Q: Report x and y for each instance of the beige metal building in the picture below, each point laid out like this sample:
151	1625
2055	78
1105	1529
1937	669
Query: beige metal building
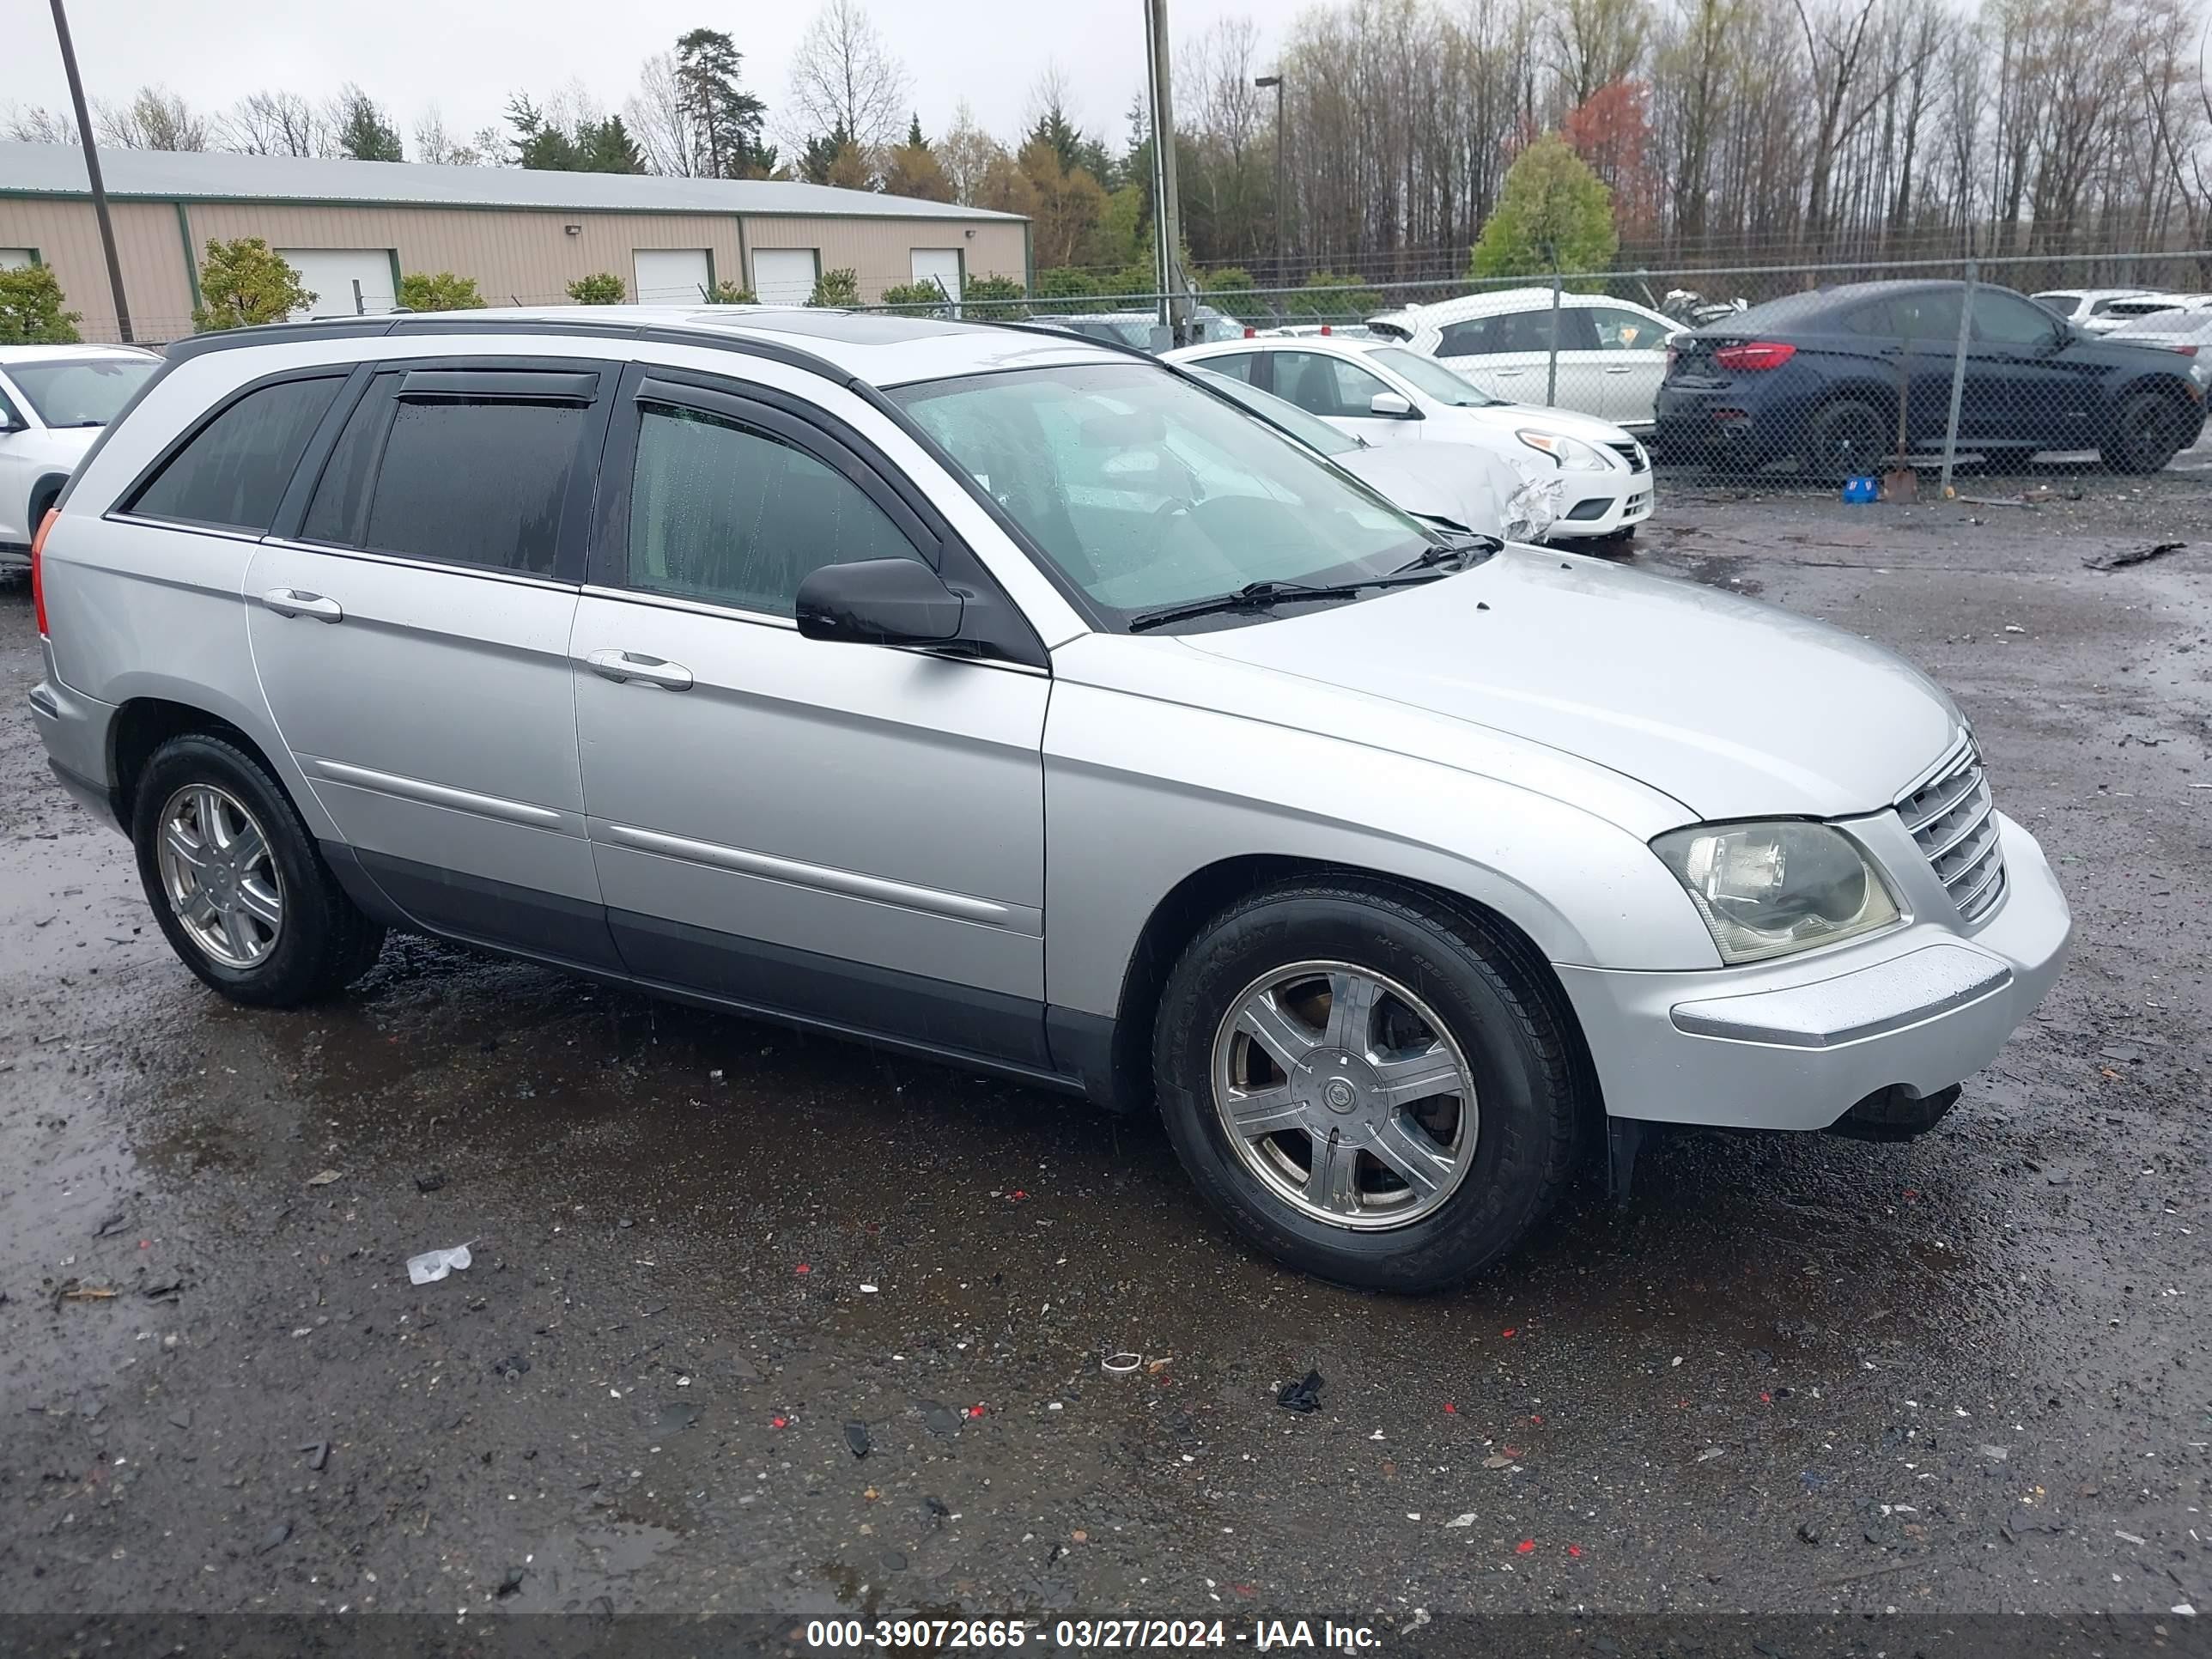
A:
352	229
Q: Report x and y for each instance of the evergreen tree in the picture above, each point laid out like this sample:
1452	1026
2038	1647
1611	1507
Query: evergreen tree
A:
725	119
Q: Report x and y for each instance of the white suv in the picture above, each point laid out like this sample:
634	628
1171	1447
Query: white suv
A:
1000	697
1612	353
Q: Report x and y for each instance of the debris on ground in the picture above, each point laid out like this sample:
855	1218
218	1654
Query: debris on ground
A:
2133	556
856	1436
319	1454
432	1265
324	1177
936	1418
1303	1395
1120	1365
429	1181
113	1223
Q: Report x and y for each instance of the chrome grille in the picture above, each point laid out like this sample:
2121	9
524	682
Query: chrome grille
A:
1631	453
1953	820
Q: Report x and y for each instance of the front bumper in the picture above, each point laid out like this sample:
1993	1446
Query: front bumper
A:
1796	1044
1609	503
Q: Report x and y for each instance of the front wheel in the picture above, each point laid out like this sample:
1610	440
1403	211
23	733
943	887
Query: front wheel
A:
1369	1087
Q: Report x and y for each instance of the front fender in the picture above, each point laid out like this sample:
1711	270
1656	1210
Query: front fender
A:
1141	794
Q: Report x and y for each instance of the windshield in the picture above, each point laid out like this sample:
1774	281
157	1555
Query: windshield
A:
1433	378
1147	491
1308	429
80	391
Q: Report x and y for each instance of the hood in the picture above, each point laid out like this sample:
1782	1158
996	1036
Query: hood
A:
1734	708
1469	484
54	446
1459	481
1506	418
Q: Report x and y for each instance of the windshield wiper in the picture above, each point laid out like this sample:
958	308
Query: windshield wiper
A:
1257	596
1460	545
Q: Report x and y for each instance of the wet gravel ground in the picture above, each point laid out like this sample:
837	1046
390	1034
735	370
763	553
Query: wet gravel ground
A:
1794	1374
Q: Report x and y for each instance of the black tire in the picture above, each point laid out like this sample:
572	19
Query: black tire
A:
1845	439
2149	429
325	942
1484	984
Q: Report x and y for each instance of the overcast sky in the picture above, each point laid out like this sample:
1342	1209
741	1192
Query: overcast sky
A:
466	56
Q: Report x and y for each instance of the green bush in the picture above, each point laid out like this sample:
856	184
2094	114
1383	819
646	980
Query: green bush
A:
914	294
1230	279
602	287
31	309
836	288
243	282
1334	298
731	293
1064	282
986	298
420	291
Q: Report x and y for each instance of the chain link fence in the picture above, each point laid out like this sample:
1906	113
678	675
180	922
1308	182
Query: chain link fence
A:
1996	373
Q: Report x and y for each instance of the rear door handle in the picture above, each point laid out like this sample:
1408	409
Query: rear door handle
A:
1620	368
624	666
295	602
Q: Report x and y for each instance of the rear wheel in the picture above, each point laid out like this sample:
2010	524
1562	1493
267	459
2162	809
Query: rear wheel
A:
1845	439
236	882
2150	429
1371	1088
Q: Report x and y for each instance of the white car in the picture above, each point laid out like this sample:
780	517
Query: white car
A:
2119	314
1390	395
53	401
1613	352
2078	305
1461	486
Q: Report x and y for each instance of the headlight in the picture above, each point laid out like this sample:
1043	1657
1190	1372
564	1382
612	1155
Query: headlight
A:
1767	890
1566	452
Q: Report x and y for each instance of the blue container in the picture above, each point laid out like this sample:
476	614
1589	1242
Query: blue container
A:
1857	492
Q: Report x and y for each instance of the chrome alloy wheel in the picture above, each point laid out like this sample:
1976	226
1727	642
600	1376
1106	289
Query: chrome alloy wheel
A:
1345	1094
218	875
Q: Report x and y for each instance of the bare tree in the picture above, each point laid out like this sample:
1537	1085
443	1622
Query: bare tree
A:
844	78
275	122
36	125
660	118
155	118
440	148
966	153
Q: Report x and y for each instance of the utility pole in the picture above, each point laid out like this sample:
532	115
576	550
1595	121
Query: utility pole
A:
1282	257
92	172
1167	214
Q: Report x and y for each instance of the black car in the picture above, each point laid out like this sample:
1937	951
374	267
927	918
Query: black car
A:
1818	377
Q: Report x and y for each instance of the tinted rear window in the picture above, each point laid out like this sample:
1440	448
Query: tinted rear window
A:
476	483
473	483
232	472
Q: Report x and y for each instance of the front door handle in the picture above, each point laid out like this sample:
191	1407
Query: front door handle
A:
1620	368
624	666
295	602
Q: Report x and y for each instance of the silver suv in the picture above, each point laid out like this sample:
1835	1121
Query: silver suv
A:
1016	700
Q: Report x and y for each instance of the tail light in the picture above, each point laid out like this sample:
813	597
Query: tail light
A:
1755	356
1324	328
1250	332
2184	350
37	568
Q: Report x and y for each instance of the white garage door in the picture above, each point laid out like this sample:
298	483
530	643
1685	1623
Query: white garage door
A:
783	275
938	267
671	275
346	281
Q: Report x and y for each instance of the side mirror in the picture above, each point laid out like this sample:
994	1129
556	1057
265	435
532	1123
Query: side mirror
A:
1391	407
878	602
12	422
